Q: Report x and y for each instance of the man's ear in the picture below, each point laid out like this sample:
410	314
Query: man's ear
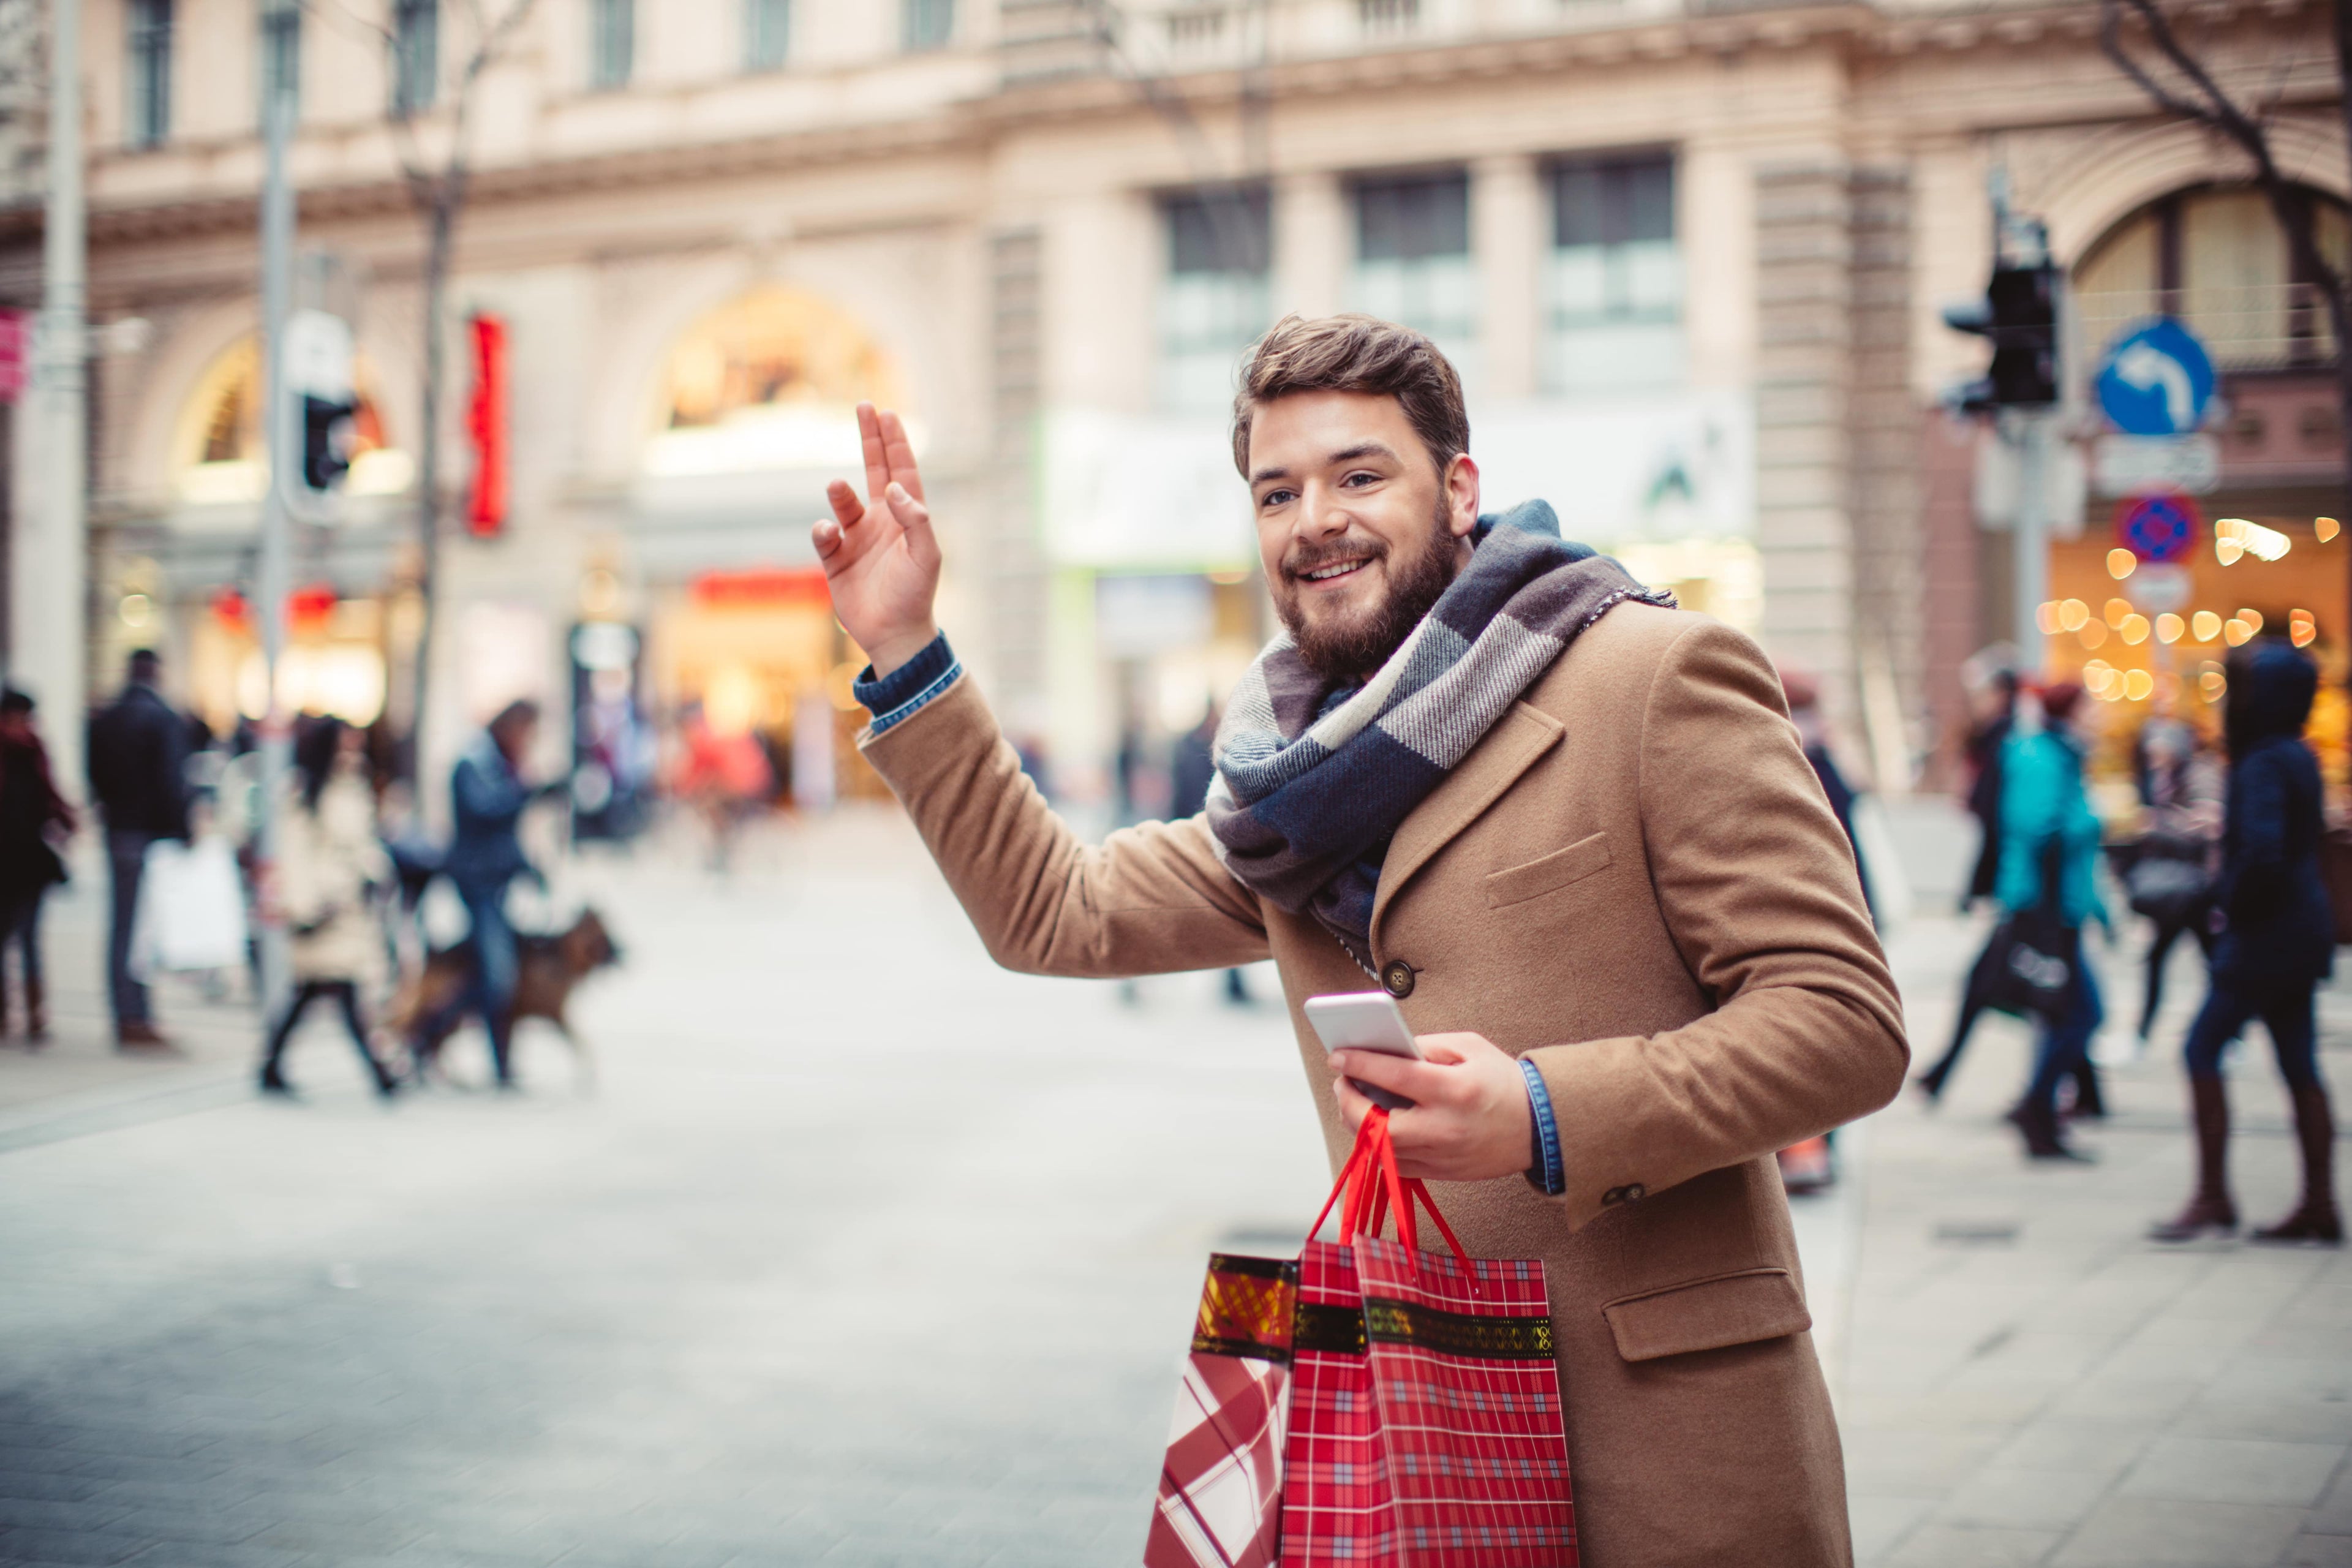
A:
1461	495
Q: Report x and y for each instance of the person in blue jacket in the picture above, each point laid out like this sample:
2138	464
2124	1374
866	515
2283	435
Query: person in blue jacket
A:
2276	942
488	797
2047	828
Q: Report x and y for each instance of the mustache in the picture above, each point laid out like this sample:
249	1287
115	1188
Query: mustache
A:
1306	558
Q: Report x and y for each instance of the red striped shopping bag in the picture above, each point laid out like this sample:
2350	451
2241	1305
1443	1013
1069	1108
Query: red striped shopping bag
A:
1419	1421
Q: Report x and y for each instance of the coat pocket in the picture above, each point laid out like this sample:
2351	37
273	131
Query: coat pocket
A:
1708	1314
1558	869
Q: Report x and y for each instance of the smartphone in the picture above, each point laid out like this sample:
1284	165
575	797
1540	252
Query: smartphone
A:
1364	1021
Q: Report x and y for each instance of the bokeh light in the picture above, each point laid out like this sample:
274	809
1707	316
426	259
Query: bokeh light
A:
2237	632
2133	629
2302	627
2072	613
2121	563
2205	627
2169	628
2327	527
2094	633
2116	612
2139	684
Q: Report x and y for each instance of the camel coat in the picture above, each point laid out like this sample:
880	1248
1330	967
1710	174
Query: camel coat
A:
1635	881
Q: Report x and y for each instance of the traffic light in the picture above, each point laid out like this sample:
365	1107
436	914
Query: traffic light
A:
2019	315
330	432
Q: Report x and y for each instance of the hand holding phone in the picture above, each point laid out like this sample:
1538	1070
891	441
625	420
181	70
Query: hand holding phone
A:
1364	1021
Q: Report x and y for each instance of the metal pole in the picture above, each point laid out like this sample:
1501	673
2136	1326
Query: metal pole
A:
272	585
2032	541
51	584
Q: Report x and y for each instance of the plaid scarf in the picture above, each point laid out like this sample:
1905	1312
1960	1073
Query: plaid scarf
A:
1313	780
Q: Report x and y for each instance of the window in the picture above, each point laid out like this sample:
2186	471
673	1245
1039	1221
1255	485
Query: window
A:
612	42
1217	298
416	55
1413	260
1379	16
767	34
1615	282
281	54
926	24
147	106
2218	261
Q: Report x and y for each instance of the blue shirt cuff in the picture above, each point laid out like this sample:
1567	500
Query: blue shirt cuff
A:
901	694
1549	1175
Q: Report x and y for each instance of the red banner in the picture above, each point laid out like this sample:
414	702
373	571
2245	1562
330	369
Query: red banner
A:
486	422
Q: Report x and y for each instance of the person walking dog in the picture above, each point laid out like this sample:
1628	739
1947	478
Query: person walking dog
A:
1568	827
2276	943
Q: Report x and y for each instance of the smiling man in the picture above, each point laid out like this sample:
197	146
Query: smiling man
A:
1568	827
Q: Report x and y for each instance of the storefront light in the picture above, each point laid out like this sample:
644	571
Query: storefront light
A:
2098	678
2094	633
2205	627
2237	632
2046	617
2137	685
2121	563
2169	628
2211	684
2327	527
2251	618
2072	613
136	610
2133	629
2302	627
2116	612
2235	536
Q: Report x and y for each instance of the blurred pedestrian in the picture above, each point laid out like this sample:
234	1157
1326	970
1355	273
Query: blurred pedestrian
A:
330	867
1987	737
1192	769
2048	862
488	797
724	777
2169	869
2276	942
137	763
34	819
1804	697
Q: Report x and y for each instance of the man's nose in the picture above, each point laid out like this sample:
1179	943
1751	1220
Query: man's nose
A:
1322	513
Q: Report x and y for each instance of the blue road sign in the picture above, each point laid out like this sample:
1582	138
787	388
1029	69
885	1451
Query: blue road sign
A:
2157	528
2157	380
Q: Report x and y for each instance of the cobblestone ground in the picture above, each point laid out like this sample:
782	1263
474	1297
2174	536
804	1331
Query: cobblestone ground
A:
862	1252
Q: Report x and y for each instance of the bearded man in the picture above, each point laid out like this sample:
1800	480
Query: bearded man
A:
1569	827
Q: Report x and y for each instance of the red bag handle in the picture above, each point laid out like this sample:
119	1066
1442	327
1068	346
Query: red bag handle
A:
1370	1185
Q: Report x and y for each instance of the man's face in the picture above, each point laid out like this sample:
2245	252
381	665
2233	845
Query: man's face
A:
1359	530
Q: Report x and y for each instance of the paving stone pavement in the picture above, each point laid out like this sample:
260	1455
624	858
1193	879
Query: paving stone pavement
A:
863	1252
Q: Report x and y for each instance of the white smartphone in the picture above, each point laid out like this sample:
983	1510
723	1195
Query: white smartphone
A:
1364	1021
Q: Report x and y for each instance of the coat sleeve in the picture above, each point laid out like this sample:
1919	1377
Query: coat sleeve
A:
1758	890
1149	900
2257	868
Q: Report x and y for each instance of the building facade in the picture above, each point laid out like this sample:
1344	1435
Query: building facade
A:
1690	255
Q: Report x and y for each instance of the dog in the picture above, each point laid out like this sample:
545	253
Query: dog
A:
548	968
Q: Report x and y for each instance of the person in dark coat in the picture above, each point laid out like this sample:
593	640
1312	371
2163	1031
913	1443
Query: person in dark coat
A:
2275	944
33	817
137	774
1984	751
488	797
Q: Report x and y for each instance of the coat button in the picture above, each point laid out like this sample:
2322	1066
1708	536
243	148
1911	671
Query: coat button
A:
1630	1193
1398	978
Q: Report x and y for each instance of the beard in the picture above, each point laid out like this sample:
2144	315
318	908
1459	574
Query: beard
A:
1352	647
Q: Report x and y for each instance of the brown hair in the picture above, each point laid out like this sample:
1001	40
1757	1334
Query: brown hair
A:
1355	353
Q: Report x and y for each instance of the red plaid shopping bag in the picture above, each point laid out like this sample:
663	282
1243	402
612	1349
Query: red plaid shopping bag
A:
1422	1425
1220	1486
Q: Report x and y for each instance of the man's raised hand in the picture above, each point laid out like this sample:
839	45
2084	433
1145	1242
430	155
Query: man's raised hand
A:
881	560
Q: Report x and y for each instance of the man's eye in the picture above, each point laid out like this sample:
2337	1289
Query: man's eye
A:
1360	478
1275	497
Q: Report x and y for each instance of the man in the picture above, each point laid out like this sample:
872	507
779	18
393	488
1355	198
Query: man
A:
137	762
1571	831
487	796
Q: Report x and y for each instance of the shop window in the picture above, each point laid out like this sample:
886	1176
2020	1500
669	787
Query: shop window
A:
281	54
1614	278
612	43
1413	260
1216	297
767	34
772	381
925	25
416	55
147	105
2218	261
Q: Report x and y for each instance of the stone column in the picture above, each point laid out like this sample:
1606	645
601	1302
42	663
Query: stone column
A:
1313	242
1507	240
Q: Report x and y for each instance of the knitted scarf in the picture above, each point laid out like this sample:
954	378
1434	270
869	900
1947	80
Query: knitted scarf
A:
1313	780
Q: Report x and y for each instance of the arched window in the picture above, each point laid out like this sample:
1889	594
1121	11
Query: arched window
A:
2216	259
770	380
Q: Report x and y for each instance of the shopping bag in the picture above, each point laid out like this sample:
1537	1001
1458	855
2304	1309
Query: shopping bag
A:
191	911
1220	1502
1417	1422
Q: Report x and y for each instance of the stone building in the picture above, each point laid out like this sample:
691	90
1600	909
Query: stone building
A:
1690	255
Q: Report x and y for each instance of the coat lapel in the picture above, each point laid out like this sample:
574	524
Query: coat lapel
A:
1510	749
